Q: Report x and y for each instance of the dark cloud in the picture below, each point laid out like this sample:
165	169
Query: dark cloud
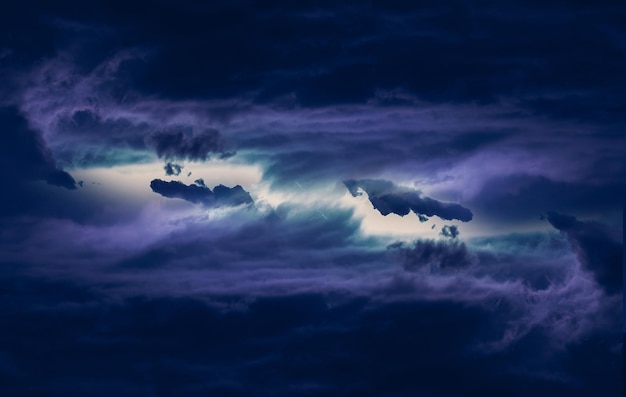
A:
598	251
183	143
345	145
176	189
513	106
432	254
173	168
323	54
287	237
388	198
231	338
283	345
61	178
24	154
89	124
25	159
200	194
450	231
521	197
330	53
536	259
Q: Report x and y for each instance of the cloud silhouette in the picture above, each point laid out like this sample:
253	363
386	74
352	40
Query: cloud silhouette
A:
200	194
172	169
450	231
389	198
597	250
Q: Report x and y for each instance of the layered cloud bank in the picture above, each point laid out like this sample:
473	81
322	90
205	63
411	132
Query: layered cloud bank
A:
283	199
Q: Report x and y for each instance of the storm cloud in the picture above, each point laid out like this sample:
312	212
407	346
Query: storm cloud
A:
183	143
598	251
24	154
200	194
389	198
450	231
172	169
432	254
489	112
298	343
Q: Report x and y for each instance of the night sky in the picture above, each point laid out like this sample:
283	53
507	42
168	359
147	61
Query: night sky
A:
298	198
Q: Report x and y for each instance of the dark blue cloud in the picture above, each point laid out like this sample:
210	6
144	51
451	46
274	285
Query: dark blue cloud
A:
287	237
450	231
24	154
431	254
184	143
24	158
307	344
172	169
353	149
200	194
523	197
515	107
536	259
597	250
388	198
327	53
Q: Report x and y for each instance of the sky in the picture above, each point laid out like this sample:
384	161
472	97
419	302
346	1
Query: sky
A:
278	198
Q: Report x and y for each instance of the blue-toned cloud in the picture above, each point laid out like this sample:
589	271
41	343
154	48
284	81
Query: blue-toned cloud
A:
279	345
200	194
498	111
450	231
24	153
213	300
431	254
172	169
389	198
597	250
25	159
184	143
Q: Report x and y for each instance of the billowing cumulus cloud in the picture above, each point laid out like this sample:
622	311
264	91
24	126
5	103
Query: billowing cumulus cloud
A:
200	194
389	198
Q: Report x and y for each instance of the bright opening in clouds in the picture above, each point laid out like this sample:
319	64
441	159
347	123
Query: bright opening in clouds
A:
330	199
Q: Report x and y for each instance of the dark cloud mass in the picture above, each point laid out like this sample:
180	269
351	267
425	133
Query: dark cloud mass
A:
172	169
24	159
24	153
448	112
597	250
450	231
280	346
388	198
200	194
184	143
432	254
